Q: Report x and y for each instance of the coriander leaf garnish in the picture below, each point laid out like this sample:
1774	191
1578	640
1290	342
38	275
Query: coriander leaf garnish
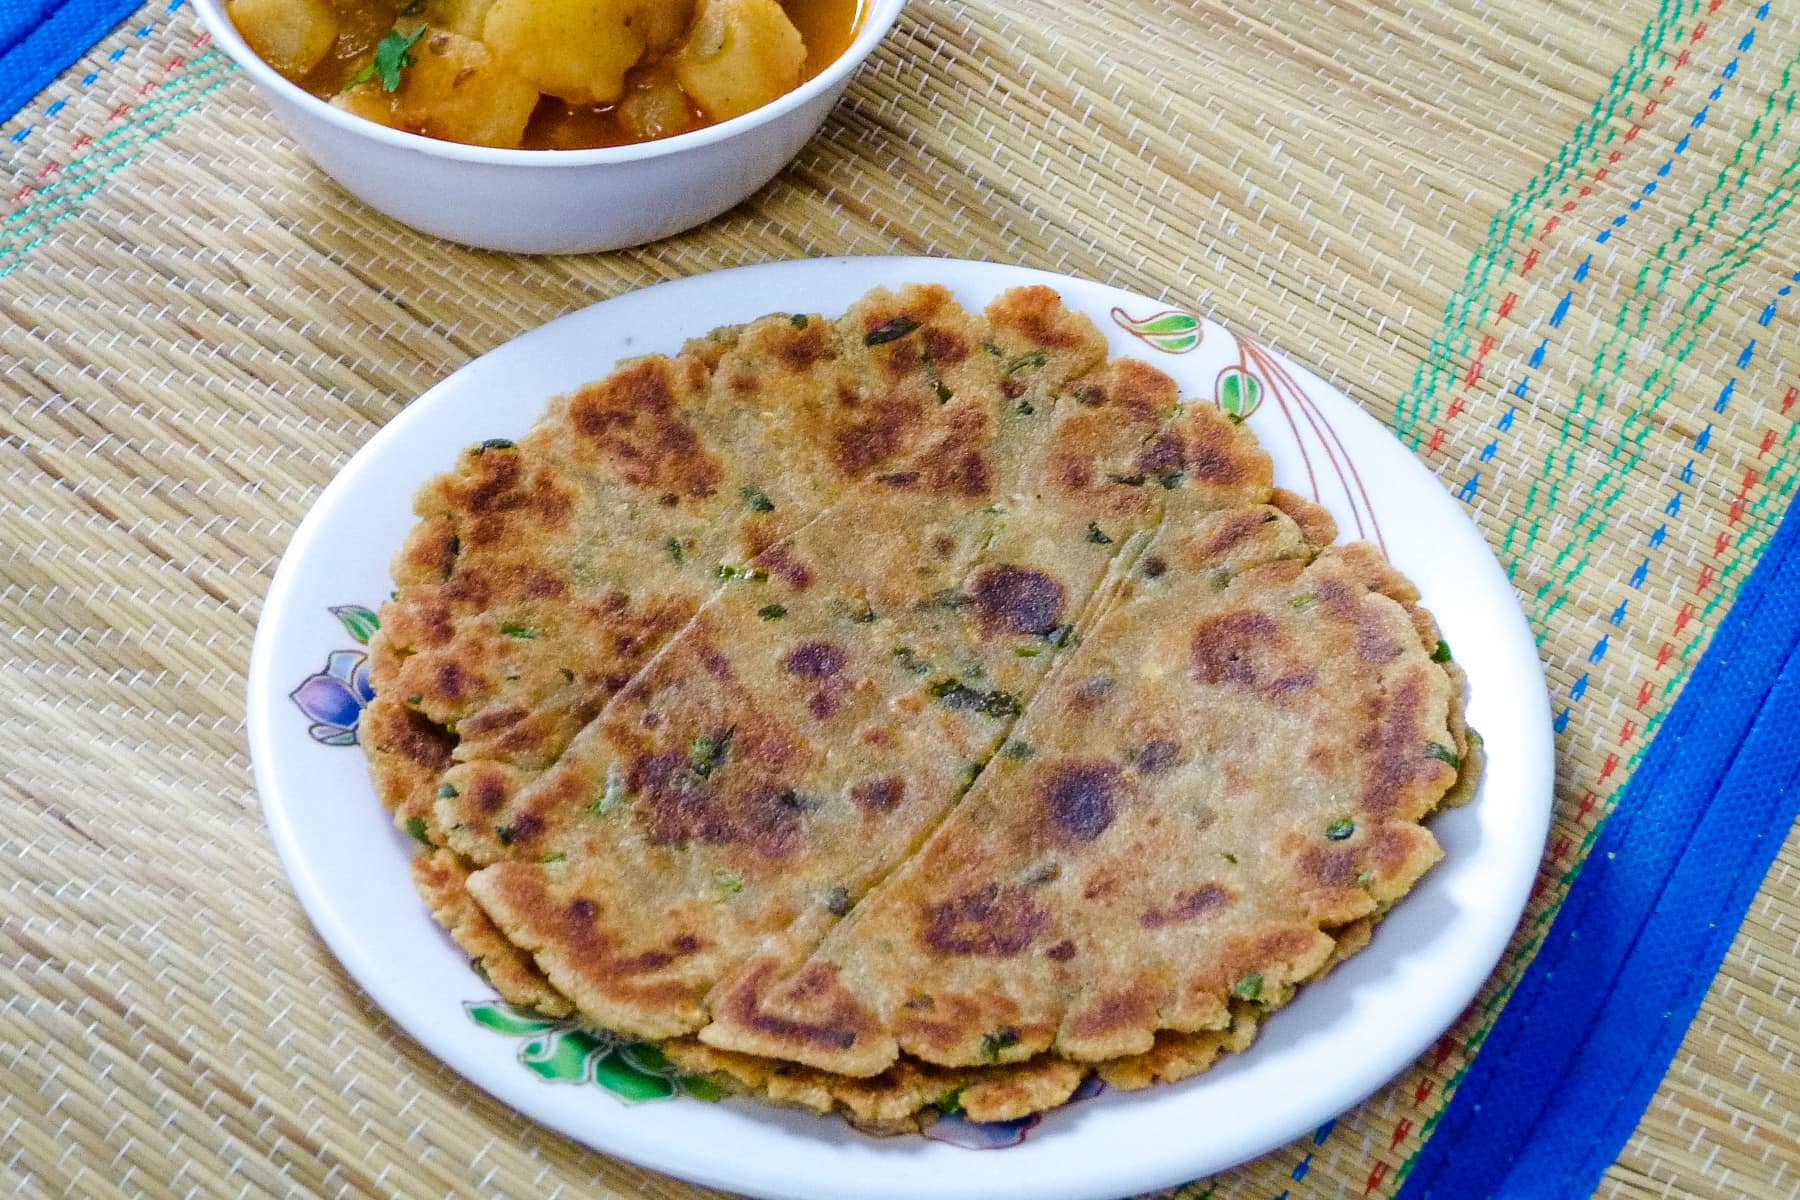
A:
890	330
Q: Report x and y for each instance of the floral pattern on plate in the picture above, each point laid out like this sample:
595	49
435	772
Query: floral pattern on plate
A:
333	699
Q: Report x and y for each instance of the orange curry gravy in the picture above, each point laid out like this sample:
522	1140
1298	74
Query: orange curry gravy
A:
827	26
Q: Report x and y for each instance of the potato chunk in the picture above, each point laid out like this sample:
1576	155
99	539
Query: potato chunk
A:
654	105
458	91
368	101
293	36
458	16
741	55
664	22
575	50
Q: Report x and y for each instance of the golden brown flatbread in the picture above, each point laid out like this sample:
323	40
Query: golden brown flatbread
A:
875	698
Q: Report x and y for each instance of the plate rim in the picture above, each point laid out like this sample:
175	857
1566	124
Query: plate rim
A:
614	1138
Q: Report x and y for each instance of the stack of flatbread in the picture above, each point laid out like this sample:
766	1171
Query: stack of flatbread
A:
905	713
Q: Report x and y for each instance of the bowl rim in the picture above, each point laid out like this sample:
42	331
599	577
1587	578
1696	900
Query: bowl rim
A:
879	17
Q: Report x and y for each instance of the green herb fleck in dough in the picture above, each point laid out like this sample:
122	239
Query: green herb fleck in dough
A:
729	881
447	791
524	633
1096	536
416	827
505	833
1229	857
1305	601
993	348
1027	362
559	856
1442	653
1364	877
1128	480
615	791
944	394
1442	754
568	675
415	698
865	617
1029	651
772	612
1248	988
837	901
1337	831
1025	408
989	704
1171	481
490	443
673	546
799	320
1013	748
890	330
1062	636
993	1044
757	500
906	661
949	1102
707	754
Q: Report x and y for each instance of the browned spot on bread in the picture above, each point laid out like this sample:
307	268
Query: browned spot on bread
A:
1113	1012
1078	799
992	922
1232	530
780	562
814	660
843	1022
1327	867
1063	951
414	737
1037	314
487	790
1157	756
1231	649
1092	694
1161	455
630	421
879	795
1013	599
1187	906
1215	453
1374	643
1394	760
945	346
801	348
875	430
1142	391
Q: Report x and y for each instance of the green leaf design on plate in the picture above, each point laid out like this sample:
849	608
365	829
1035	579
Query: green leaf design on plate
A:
510	1019
560	1056
327	735
1239	393
1170	331
357	621
625	1081
563	1051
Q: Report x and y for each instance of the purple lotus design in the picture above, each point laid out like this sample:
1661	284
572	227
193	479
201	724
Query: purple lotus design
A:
334	699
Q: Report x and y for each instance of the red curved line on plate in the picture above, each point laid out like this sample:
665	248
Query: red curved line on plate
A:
1313	418
1125	320
1311	479
1361	488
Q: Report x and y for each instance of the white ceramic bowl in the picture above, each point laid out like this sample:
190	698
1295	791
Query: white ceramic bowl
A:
555	201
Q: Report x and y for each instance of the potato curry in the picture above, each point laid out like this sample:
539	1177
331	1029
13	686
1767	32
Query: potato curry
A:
547	74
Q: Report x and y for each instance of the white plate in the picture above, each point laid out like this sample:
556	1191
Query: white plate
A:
1337	1042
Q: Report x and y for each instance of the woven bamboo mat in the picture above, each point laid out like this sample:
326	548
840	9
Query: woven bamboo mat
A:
1550	246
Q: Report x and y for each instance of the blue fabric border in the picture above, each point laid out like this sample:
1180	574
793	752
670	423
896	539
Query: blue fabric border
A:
39	39
1570	1065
